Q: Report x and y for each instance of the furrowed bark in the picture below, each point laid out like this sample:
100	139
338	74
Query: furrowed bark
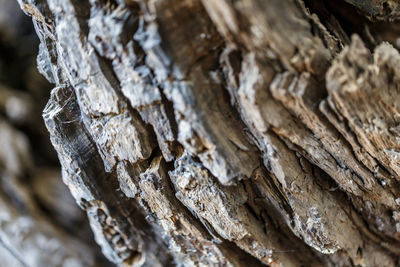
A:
40	223
222	132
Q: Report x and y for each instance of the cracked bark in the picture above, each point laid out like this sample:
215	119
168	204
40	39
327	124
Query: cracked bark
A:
221	132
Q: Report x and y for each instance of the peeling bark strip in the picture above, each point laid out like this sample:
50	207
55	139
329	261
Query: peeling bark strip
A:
226	133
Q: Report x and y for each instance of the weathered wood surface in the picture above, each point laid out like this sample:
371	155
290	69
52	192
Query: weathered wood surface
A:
221	132
40	223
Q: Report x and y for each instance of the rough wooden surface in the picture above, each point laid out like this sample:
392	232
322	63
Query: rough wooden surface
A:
40	224
221	132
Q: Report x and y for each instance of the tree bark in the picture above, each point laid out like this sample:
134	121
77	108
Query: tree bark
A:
218	132
40	223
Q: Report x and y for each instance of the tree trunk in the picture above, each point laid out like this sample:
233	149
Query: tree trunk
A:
219	132
40	224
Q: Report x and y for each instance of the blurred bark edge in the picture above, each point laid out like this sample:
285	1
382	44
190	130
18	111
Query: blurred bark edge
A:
40	223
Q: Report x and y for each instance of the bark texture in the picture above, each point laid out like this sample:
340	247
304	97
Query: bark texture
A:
228	133
40	224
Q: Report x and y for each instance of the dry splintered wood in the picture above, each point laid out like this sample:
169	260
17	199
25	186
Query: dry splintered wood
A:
40	223
228	133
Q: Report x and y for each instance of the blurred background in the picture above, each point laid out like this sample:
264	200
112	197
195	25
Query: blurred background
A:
40	224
